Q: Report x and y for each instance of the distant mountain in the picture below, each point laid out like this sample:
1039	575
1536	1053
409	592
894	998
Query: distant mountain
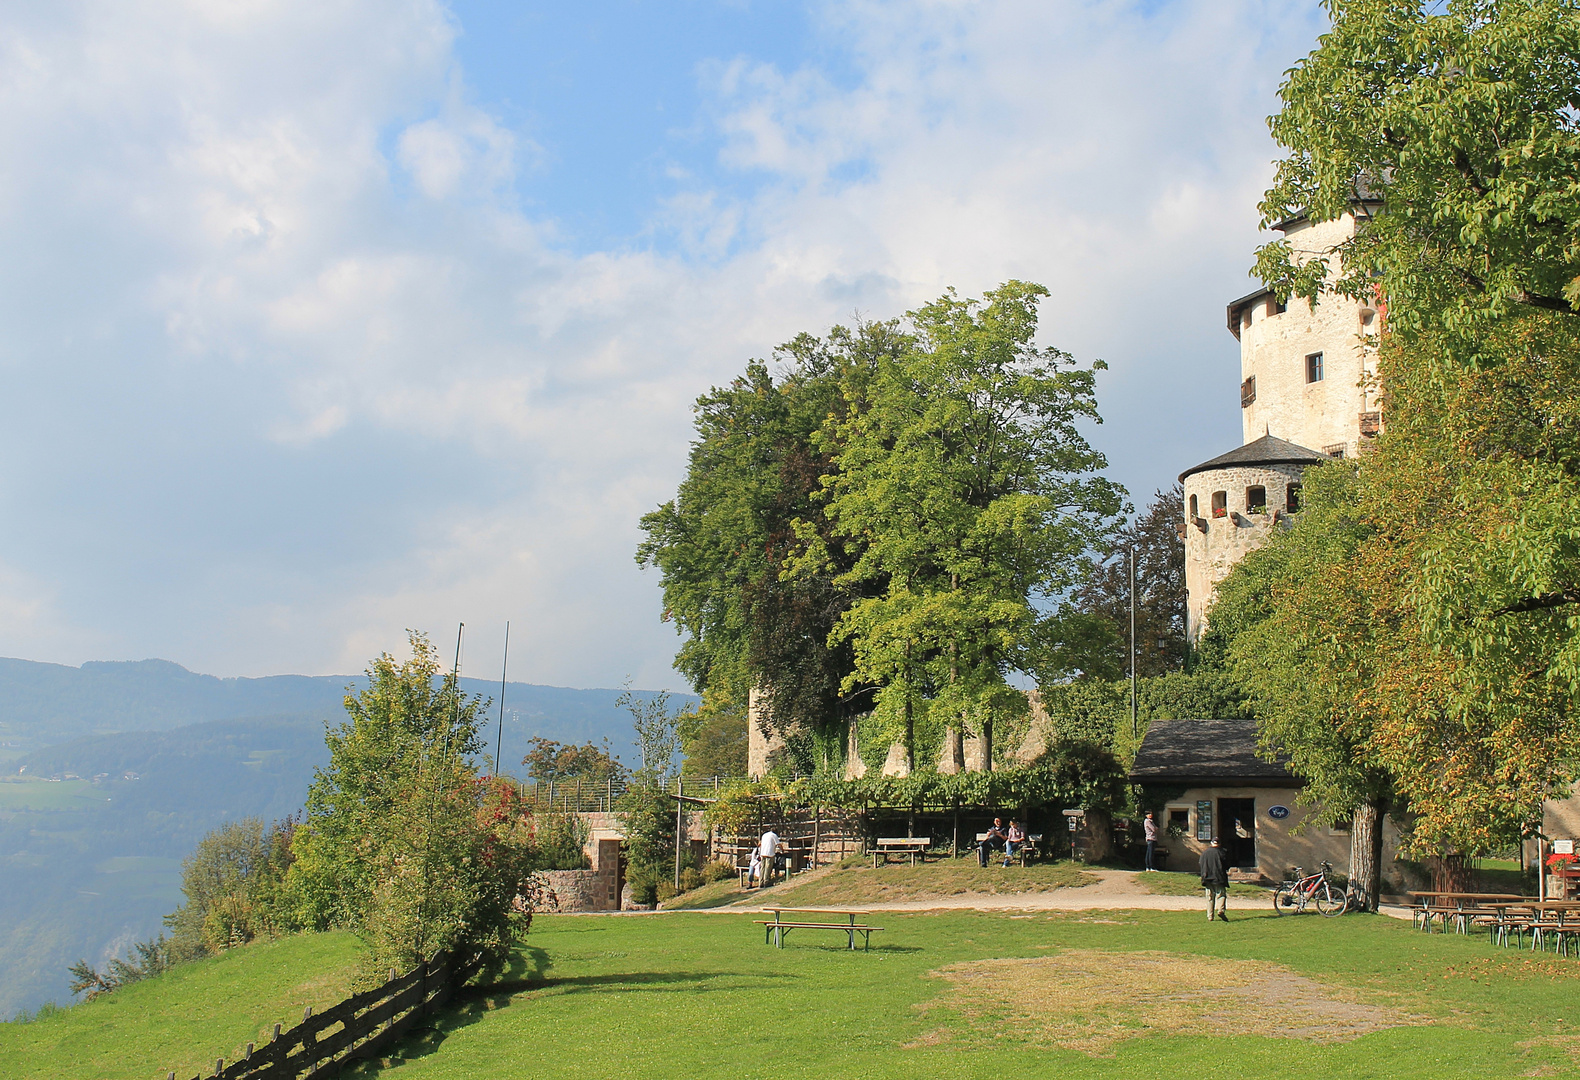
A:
156	757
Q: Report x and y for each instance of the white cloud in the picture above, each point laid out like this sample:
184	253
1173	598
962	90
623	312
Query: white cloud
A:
292	371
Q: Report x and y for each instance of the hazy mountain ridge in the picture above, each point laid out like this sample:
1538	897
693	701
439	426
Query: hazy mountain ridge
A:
163	756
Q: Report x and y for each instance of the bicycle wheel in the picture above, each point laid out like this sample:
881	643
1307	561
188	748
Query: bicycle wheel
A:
1283	900
1330	901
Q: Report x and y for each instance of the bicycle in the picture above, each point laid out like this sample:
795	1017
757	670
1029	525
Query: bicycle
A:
1317	890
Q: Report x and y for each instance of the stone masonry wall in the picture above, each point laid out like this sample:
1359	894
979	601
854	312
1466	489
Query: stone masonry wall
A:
571	890
1214	545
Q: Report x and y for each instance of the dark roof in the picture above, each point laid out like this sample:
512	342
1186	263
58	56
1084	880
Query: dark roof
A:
1198	751
1264	451
1237	306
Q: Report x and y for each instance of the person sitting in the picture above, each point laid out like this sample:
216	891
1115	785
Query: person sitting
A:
994	838
1014	840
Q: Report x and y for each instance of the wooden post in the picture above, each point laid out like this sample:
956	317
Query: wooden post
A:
249	1053
817	831
276	1036
219	1066
578	794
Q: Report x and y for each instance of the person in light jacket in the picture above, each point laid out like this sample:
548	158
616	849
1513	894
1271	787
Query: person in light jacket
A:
1149	831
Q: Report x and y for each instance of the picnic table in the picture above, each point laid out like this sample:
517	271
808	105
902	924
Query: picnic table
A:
1463	908
914	846
1554	918
775	930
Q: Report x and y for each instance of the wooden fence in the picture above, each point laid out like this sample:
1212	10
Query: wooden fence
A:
363	1025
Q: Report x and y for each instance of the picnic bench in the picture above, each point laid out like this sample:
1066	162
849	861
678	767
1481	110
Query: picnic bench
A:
914	846
776	928
1029	848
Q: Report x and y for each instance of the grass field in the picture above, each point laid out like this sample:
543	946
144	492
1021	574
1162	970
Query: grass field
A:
187	1017
29	793
861	884
1095	994
1168	883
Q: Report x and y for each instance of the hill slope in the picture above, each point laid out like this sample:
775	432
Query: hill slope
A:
187	1017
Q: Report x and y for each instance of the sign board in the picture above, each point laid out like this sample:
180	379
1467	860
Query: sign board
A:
1074	813
1204	819
1563	847
1072	824
1279	812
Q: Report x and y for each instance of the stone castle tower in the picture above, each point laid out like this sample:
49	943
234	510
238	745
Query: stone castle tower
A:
1307	393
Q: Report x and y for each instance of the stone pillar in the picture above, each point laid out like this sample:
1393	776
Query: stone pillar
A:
952	758
855	768
895	764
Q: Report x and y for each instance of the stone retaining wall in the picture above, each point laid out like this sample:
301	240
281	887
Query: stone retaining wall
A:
570	890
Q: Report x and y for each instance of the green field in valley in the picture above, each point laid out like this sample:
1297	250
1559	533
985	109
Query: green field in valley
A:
1067	994
185	1018
21	793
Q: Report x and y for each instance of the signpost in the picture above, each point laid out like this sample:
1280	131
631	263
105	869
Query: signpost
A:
1073	817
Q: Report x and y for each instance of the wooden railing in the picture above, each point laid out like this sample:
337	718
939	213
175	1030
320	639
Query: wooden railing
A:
363	1025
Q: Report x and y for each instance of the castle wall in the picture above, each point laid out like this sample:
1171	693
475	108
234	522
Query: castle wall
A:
1214	544
1325	415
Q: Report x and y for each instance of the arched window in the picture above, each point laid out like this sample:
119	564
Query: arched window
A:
1220	504
1194	511
1292	498
1256	499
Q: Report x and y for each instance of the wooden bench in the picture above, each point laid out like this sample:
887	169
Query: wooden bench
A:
1030	847
914	846
775	929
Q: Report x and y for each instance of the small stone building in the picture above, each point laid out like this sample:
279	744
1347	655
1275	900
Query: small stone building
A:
1205	779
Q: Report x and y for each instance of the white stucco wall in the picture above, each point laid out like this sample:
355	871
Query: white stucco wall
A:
1274	346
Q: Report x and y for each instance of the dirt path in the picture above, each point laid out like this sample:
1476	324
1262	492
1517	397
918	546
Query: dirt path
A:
1114	890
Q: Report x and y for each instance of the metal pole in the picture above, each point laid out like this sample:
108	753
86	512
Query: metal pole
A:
680	817
1134	727
499	740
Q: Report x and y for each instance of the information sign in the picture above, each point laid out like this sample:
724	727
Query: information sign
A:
1279	812
1204	819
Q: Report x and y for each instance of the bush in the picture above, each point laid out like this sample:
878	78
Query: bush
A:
718	870
644	885
665	890
690	878
561	840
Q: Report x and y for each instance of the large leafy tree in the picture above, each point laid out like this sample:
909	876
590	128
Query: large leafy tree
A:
1464	120
722	543
963	485
1415	635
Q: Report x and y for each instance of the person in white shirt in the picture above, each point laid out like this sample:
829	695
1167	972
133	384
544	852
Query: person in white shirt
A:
754	870
1149	831
766	849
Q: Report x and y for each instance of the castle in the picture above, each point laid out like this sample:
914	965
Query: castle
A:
1308	393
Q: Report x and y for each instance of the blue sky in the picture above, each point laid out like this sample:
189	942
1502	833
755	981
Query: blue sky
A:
326	318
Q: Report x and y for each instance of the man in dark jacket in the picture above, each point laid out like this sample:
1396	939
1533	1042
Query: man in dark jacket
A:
1215	880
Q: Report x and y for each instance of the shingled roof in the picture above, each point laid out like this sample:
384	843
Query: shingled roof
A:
1203	752
1264	451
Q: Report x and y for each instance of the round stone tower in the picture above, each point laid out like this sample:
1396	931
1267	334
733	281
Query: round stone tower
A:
1232	504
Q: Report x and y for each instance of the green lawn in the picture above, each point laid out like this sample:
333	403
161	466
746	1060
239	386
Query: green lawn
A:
1168	883
187	1017
1066	994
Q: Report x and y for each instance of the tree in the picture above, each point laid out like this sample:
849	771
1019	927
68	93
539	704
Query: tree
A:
404	840
962	484
723	542
232	885
1460	121
714	738
1104	596
1420	617
554	762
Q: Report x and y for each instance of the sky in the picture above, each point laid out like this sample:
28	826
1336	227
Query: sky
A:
322	319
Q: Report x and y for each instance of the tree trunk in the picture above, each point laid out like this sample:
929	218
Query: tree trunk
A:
1366	837
987	745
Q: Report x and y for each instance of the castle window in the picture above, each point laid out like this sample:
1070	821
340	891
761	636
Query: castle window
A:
1256	500
1220	504
1248	391
1292	498
1194	512
1334	450
1314	367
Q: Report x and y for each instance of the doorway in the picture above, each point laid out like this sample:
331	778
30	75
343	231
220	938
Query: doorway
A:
1237	816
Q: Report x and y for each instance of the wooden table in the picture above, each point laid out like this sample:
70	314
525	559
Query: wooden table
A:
776	929
1550	916
914	846
1462	906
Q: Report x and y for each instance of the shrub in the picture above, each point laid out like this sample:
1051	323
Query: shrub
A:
690	878
718	870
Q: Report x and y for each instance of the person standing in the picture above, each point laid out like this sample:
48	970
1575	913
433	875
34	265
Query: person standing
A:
767	848
1215	880
1149	830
